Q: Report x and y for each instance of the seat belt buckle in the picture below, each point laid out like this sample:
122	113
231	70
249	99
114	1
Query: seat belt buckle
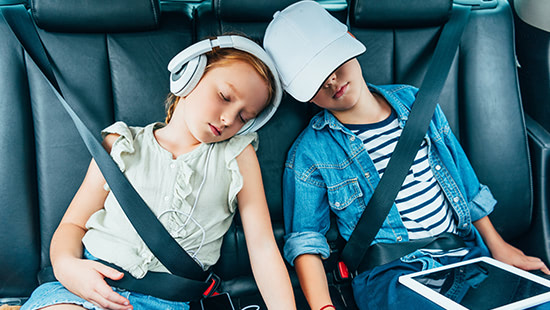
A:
212	289
341	273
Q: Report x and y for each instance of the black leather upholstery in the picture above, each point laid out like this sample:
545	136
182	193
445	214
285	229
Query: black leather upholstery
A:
91	15
533	50
19	228
473	99
112	60
399	13
534	72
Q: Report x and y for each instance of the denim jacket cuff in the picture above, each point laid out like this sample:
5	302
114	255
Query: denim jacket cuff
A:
300	243
482	204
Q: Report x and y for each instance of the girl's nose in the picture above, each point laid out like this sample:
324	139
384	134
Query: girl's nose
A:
223	120
227	119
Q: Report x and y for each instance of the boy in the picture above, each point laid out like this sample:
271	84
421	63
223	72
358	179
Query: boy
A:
360	127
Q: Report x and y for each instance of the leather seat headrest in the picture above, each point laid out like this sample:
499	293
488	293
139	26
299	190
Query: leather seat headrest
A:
96	15
248	10
399	13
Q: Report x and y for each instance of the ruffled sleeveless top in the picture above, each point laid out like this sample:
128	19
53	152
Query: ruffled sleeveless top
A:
170	187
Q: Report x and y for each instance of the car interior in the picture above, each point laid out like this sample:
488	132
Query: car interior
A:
111	61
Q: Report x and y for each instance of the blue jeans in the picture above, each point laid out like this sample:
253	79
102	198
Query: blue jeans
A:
379	288
53	293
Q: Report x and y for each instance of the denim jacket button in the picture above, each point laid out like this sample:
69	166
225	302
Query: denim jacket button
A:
367	175
337	204
437	167
399	238
456	199
352	138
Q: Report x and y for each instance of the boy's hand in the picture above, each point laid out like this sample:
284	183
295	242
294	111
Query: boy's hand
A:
86	278
504	252
513	256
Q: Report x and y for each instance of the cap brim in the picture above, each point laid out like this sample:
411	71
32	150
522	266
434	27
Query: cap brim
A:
308	81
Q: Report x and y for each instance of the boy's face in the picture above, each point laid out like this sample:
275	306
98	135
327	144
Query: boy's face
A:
342	89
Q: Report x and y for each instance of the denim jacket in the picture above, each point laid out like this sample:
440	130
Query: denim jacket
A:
328	169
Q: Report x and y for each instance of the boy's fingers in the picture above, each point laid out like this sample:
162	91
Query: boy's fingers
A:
539	264
544	269
534	263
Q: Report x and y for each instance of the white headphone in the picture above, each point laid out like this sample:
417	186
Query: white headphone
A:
187	68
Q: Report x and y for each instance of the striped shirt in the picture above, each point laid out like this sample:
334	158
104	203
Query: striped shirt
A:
420	201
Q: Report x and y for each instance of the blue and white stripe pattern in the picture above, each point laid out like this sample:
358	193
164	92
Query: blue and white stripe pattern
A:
421	202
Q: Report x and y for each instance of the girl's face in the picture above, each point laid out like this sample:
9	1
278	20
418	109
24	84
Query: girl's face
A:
224	100
342	89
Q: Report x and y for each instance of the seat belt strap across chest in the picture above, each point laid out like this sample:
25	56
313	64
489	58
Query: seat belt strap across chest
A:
405	151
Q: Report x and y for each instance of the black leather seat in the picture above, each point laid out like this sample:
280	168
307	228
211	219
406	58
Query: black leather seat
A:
533	52
481	99
112	63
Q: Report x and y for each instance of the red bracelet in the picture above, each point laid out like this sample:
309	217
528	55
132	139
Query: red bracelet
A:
328	306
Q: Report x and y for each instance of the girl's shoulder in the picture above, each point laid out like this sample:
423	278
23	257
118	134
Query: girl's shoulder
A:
234	146
122	129
121	140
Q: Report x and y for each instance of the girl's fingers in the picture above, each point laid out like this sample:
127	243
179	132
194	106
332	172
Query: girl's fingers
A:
109	299
109	272
105	296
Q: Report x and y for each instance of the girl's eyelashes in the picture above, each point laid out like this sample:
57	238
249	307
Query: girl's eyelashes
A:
228	99
224	97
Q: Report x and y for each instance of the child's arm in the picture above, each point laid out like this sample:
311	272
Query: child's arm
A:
503	251
313	280
267	264
84	278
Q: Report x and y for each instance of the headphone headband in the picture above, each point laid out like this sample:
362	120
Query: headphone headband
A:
183	78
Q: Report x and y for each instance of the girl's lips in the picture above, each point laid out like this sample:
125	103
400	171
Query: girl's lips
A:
340	92
215	130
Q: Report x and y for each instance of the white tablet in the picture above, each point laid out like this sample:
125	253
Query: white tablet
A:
480	283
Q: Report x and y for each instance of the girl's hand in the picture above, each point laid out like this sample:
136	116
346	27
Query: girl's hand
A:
85	278
511	255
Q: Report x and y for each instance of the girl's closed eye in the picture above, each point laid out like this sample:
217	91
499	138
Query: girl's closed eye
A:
243	118
224	97
227	98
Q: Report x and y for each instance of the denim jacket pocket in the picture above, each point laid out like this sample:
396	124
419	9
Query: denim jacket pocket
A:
343	194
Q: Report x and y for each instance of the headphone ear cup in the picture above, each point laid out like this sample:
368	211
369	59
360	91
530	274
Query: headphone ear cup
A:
184	81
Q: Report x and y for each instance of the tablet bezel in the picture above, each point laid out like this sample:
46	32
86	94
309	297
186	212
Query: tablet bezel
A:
409	281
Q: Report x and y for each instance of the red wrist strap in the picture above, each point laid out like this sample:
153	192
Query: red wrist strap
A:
327	306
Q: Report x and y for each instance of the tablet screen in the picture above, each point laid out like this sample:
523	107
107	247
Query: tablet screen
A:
482	284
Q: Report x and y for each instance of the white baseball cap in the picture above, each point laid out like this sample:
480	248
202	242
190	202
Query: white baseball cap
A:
307	45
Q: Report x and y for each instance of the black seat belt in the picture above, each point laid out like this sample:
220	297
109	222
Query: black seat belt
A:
411	138
190	275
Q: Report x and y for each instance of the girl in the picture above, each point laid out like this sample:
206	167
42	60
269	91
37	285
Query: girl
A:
196	149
